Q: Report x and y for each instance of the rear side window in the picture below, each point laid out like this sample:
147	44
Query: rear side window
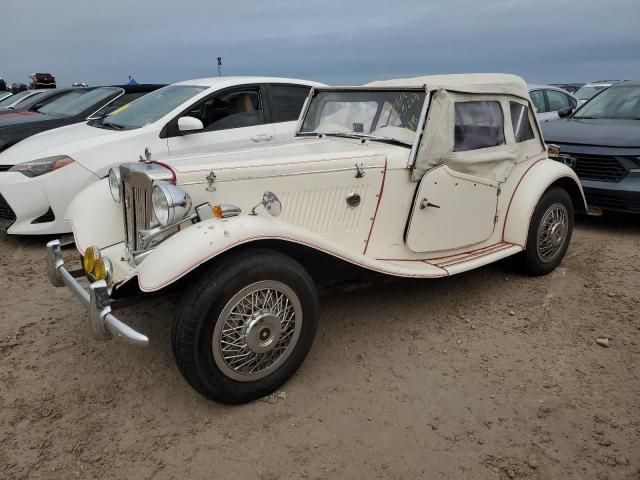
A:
287	102
537	97
478	125
520	121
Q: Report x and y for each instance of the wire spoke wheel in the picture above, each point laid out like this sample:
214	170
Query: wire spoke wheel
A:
257	330
552	232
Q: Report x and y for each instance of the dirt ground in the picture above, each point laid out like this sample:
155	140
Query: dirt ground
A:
488	374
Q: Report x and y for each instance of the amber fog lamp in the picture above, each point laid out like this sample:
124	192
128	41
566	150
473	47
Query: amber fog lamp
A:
91	256
103	270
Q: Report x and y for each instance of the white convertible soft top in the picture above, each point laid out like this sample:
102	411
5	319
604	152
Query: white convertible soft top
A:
438	147
467	83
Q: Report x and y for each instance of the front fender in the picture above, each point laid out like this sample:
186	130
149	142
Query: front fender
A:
199	243
95	218
537	180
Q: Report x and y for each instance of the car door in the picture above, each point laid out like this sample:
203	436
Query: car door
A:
232	118
285	105
539	99
557	101
454	209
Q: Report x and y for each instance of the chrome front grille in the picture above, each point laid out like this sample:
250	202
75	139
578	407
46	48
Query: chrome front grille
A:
137	184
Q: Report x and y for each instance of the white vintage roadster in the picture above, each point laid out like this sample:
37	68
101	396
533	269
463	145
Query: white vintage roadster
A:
423	177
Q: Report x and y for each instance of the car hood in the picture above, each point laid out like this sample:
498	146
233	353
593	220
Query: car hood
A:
299	153
598	132
72	140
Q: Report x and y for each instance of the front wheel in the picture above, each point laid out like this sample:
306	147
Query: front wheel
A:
549	232
246	326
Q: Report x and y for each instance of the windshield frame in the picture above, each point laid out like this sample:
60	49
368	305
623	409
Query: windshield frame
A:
421	121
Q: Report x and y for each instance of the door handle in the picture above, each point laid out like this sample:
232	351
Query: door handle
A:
426	203
265	137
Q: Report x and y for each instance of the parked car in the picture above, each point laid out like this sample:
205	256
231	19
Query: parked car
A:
369	181
551	102
12	101
35	102
587	91
568	87
188	117
85	104
42	80
17	87
79	84
601	141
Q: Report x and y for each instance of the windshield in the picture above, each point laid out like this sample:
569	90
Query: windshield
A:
89	100
618	102
151	107
11	99
585	93
59	101
375	114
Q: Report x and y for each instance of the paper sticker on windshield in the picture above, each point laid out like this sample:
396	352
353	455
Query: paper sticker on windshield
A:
118	110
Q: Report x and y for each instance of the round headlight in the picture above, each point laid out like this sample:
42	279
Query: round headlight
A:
170	203
115	184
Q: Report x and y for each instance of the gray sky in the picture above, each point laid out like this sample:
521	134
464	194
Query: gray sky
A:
335	41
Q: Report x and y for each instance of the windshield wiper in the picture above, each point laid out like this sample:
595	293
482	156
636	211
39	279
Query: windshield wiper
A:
360	136
115	126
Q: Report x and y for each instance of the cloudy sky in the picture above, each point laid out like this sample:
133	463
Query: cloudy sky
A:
335	41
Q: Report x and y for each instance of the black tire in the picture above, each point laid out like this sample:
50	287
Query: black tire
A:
200	311
532	261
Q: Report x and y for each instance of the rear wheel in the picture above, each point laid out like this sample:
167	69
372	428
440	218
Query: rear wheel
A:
550	232
246	326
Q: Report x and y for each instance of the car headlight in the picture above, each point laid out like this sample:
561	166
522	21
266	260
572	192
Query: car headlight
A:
115	184
170	203
41	166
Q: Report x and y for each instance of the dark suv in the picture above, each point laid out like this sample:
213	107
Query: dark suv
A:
602	143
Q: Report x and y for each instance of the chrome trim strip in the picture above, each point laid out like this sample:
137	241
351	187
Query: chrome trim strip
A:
328	170
102	323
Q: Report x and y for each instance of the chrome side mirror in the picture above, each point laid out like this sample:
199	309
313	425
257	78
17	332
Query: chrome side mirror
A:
271	203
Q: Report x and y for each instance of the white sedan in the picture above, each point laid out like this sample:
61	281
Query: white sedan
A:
40	175
552	102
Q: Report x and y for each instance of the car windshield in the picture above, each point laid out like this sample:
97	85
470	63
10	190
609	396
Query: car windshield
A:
151	107
59	101
585	93
11	99
89	100
617	102
386	115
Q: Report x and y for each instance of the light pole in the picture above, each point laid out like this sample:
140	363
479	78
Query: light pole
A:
219	66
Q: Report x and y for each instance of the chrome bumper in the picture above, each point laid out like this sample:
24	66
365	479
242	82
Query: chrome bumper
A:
102	323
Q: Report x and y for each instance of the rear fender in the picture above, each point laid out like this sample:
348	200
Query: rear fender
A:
536	181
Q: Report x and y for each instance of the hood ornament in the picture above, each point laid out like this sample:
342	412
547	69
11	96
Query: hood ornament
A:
211	178
147	156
